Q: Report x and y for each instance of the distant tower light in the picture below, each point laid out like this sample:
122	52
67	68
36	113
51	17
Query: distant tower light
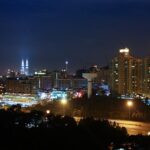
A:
66	62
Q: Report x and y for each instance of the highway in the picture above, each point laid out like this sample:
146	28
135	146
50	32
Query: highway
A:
134	127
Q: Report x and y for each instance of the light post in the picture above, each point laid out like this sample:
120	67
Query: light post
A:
129	104
48	111
64	103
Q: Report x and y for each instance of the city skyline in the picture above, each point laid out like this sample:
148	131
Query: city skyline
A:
82	32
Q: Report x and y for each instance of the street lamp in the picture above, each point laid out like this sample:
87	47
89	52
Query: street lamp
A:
48	111
129	104
64	103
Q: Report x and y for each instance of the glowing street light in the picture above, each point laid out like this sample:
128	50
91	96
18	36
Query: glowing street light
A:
129	104
48	111
64	103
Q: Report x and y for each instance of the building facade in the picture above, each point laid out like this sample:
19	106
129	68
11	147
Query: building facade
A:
126	73
20	85
146	76
24	67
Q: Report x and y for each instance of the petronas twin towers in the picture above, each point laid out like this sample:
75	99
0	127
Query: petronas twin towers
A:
25	67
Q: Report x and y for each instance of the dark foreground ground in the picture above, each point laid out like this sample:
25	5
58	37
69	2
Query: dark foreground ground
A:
38	131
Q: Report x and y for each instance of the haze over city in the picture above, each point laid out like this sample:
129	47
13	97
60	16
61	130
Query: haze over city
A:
84	32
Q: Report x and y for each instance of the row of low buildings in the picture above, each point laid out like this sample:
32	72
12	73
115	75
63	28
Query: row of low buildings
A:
42	81
126	75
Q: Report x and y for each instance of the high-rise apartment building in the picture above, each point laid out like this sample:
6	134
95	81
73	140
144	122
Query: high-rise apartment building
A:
126	73
146	76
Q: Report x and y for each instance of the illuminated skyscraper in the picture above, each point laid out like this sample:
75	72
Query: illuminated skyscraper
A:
126	73
22	67
25	67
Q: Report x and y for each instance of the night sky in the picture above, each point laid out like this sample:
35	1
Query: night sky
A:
84	32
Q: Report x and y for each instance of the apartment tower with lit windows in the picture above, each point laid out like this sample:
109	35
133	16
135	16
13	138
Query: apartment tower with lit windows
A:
126	73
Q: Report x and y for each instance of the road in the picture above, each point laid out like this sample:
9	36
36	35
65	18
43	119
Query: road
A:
134	127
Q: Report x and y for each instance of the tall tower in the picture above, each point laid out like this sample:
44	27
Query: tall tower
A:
89	77
22	67
66	63
27	67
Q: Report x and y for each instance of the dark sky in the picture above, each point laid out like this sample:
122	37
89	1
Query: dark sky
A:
84	32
